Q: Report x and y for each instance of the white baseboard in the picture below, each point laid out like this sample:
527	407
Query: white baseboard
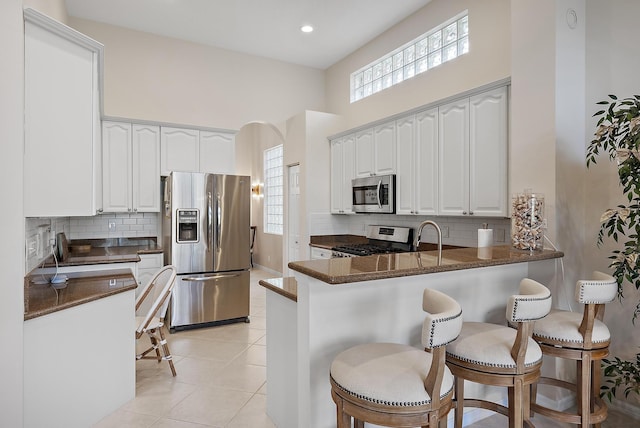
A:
271	271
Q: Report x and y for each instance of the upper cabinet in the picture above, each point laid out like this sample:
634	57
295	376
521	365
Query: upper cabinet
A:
217	152
131	167
62	153
342	172
375	151
180	150
473	155
417	164
193	150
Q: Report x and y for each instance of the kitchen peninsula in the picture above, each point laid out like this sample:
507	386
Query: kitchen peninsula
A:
343	302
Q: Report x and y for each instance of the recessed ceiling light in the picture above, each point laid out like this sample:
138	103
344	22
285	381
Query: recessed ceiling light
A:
306	28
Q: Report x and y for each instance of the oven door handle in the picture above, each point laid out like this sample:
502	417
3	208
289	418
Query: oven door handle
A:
378	194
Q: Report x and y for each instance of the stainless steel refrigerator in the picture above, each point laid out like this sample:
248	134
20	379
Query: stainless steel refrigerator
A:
206	224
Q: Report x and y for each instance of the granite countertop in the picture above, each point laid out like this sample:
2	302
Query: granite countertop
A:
367	268
287	286
113	250
82	287
330	241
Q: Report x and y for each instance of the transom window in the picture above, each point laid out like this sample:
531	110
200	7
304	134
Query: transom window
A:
273	190
444	43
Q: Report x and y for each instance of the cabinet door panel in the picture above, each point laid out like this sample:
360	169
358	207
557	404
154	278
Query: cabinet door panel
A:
179	150
61	120
116	166
406	160
488	153
384	146
364	155
348	173
337	182
453	141
146	168
427	168
217	152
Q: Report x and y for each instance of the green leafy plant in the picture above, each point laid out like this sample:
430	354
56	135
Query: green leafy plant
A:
618	134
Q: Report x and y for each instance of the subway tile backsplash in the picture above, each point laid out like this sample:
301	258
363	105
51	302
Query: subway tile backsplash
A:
40	231
117	225
461	231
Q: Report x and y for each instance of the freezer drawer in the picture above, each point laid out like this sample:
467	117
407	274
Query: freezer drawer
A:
199	300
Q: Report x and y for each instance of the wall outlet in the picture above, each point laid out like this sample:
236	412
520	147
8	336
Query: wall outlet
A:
32	246
112	226
445	231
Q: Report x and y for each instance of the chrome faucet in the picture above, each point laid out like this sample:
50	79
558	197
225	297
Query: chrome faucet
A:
438	231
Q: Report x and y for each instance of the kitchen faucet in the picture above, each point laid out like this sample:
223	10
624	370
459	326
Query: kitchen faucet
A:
438	231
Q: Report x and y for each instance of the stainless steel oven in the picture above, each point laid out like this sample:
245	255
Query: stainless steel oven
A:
376	194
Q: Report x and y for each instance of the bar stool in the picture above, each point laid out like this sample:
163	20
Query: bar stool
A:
399	385
497	355
585	339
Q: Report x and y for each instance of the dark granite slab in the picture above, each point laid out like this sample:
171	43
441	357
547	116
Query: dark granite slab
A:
367	268
81	287
287	286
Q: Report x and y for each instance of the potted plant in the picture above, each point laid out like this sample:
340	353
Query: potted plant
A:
618	134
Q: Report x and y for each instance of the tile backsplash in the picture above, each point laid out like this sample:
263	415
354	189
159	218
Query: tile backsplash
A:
462	231
40	232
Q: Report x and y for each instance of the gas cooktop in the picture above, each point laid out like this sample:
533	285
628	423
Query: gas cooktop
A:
381	240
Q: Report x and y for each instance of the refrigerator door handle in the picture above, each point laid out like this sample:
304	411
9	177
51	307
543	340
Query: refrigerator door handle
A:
210	277
209	221
218	220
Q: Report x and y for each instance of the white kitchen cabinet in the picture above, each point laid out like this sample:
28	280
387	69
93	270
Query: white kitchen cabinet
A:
217	152
320	253
417	163
375	151
179	150
62	152
131	167
342	172
193	150
472	144
488	153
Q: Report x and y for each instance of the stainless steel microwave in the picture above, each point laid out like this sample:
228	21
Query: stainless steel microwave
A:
376	194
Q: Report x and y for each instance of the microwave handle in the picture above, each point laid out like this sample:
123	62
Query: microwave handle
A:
378	194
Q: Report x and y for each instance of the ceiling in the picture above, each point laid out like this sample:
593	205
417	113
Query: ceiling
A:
267	28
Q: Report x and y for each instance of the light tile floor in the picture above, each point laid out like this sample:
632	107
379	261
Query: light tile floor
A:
221	380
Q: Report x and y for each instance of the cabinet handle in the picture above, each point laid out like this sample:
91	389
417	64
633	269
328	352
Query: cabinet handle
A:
470	212
99	211
464	213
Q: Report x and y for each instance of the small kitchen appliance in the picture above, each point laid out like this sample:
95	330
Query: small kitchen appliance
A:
206	237
381	240
376	194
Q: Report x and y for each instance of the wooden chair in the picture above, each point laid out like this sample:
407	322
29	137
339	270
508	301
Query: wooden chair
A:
585	339
497	355
158	289
399	385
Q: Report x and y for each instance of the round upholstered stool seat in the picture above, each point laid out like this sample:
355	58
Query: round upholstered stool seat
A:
398	385
488	347
561	328
581	337
386	373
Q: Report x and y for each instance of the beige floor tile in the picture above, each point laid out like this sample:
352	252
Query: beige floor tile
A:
172	423
124	419
210	406
255	355
198	371
263	389
156	396
242	377
253	414
206	348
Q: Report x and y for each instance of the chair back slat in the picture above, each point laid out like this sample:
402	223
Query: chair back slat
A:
158	289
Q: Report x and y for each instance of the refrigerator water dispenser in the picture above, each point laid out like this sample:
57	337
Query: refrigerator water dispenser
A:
188	225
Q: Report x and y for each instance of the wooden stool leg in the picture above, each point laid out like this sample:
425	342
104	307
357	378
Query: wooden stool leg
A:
166	351
516	396
459	404
583	382
596	379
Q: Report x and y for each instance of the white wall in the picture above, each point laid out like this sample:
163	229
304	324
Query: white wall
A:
167	80
488	61
12	224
